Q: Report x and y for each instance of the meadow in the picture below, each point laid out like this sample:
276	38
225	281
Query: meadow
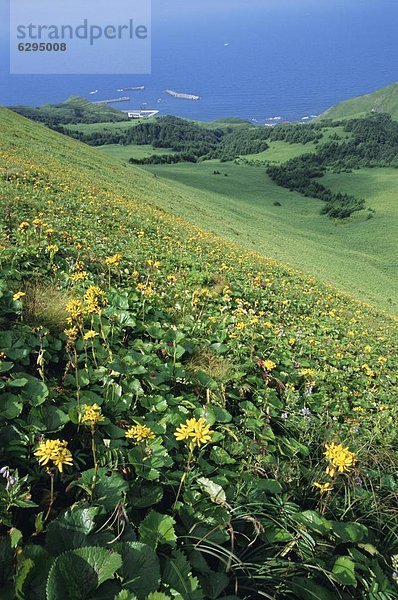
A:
181	418
358	255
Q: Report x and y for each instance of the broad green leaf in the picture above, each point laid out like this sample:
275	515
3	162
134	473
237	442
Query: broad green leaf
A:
177	574
350	532
75	528
78	573
314	521
307	589
213	584
270	486
6	559
35	391
31	579
215	491
10	406
140	569
344	571
106	487
157	529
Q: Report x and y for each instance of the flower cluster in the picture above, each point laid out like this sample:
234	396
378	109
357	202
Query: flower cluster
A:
340	458
92	415
94	299
140	433
54	451
196	431
114	261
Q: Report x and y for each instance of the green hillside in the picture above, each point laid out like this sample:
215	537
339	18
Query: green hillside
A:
384	100
180	418
74	110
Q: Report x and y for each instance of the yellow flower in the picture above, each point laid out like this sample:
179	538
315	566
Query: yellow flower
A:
269	365
18	296
94	299
307	372
75	310
197	431
92	415
71	333
24	226
323	487
340	457
90	335
140	433
52	248
55	451
114	261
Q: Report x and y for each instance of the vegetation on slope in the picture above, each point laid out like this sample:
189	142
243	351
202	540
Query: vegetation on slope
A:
180	418
384	100
74	110
373	143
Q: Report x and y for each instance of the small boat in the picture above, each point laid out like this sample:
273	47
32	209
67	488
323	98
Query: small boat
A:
94	92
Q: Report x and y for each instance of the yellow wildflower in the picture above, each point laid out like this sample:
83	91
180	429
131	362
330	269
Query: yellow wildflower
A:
140	433
24	226
114	261
55	451
340	457
323	487
71	333
18	296
94	299
90	335
197	431
269	365
92	415
75	310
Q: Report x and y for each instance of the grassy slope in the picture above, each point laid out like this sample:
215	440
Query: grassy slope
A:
332	353
358	255
133	151
383	100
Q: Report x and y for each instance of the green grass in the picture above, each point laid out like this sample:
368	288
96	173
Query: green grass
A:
280	152
133	151
359	255
383	100
101	127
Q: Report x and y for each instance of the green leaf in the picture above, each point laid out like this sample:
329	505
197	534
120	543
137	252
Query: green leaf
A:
125	595
215	491
31	579
344	571
314	521
157	529
140	569
78	573
350	532
177	574
19	382
270	486
109	485
11	406
35	391
306	589
75	528
6	559
158	596
213	584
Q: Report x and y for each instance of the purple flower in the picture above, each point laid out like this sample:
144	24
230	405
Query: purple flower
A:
305	412
5	471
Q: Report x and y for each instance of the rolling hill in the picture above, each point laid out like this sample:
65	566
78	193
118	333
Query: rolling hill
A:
180	417
384	100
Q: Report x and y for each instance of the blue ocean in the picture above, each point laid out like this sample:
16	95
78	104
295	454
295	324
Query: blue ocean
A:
264	60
